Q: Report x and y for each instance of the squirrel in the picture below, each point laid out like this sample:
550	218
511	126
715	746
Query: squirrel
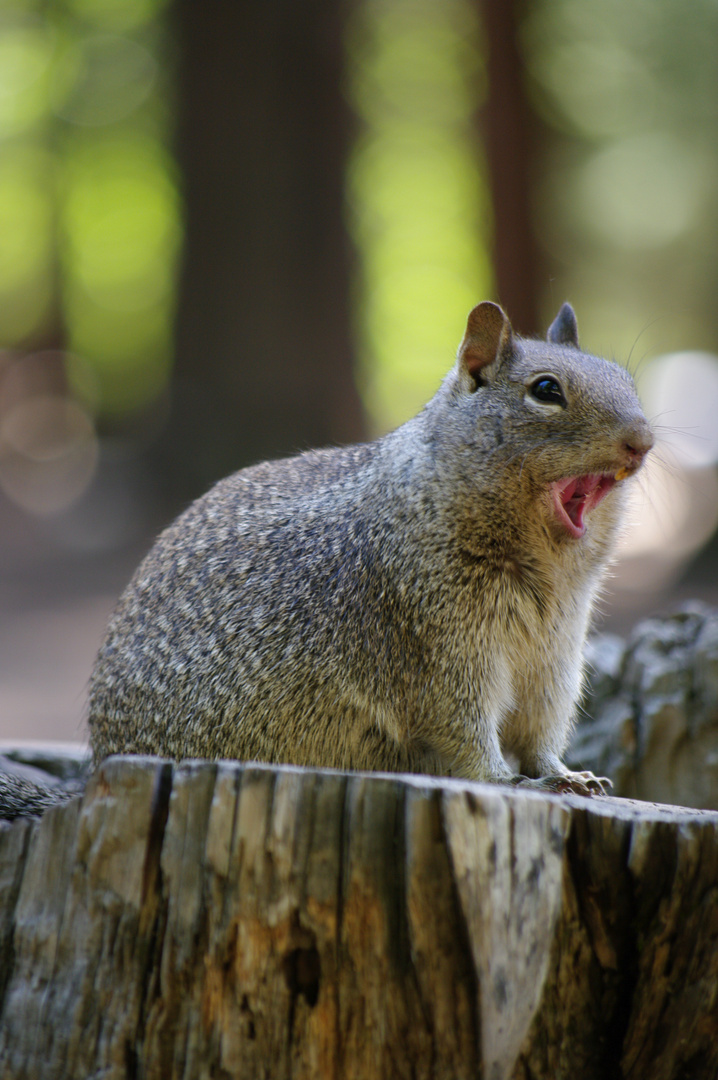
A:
418	603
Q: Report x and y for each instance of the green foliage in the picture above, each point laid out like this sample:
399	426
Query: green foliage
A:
417	195
626	206
90	219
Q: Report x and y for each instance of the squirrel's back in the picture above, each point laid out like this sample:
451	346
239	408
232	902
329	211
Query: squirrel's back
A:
251	627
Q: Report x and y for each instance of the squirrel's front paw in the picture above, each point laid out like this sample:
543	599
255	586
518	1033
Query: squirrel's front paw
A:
576	783
597	785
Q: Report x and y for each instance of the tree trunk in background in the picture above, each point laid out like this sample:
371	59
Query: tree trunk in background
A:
264	352
510	143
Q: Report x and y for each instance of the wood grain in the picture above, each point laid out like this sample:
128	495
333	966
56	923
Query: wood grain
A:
225	920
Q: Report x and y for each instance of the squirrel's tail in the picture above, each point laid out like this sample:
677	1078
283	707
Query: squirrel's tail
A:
20	797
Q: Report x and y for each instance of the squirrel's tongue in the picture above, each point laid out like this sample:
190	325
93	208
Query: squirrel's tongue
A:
576	495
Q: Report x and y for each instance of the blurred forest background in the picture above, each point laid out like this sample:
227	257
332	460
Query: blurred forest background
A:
234	230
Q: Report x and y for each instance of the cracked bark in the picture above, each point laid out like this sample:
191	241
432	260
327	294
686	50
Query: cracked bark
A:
218	920
651	710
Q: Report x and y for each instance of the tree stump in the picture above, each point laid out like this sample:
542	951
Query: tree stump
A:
225	920
651	711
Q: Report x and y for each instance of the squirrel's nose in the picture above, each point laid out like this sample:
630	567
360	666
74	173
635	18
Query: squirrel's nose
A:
636	444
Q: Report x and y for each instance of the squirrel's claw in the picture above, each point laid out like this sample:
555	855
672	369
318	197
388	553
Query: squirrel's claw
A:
573	783
597	785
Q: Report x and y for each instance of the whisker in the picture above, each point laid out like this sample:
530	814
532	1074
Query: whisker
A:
648	325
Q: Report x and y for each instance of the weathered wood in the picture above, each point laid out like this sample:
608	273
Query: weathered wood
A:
223	920
651	712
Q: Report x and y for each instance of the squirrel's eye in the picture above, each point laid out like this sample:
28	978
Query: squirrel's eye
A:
548	391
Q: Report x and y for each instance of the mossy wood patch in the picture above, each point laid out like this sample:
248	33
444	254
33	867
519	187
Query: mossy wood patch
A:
224	920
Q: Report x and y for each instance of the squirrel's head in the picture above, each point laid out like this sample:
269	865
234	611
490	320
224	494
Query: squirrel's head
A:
567	426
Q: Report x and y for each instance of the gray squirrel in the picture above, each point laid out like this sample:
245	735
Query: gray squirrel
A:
419	603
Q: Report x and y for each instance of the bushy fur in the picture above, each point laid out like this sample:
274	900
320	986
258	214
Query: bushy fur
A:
409	604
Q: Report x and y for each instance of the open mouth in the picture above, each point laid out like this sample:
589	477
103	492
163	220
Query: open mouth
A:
573	498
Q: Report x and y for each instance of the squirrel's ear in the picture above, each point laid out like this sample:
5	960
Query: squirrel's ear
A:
564	329
488	337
